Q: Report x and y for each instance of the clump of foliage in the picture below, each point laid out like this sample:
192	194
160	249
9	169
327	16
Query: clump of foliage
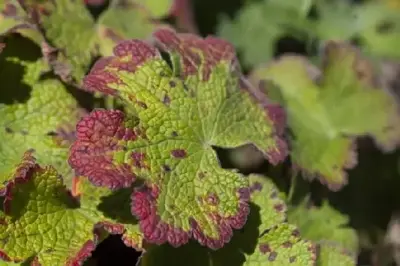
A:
111	122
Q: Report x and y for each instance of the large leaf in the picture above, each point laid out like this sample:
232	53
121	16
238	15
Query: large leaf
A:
325	116
182	113
43	223
266	239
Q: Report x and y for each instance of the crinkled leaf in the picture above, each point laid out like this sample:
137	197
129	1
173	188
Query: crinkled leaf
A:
69	26
123	20
44	124
334	255
265	239
187	193
111	209
327	115
41	221
324	224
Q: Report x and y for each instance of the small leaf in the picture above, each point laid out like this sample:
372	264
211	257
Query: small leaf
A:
44	124
324	224
265	239
326	116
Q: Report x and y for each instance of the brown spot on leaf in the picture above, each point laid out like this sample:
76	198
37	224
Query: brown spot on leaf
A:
174	134
256	186
201	175
292	259
296	233
172	84
9	130
52	133
264	248
287	244
279	207
166	168
142	104
272	256
274	195
166	100
178	153
138	159
212	199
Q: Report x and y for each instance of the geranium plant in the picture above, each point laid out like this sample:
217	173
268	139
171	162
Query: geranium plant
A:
112	122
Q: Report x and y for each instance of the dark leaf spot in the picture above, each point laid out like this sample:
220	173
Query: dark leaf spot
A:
172	84
138	159
274	195
166	100
264	248
279	207
174	134
292	259
256	186
166	168
272	256
287	244
178	153
142	104
52	133
201	175
296	233
9	130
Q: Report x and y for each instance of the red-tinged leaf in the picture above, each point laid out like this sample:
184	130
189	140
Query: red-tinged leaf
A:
181	114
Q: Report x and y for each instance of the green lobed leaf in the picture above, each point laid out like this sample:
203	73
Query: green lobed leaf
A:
324	223
181	113
326	116
42	223
266	239
43	124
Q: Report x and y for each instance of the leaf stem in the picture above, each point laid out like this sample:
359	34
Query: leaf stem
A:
292	186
